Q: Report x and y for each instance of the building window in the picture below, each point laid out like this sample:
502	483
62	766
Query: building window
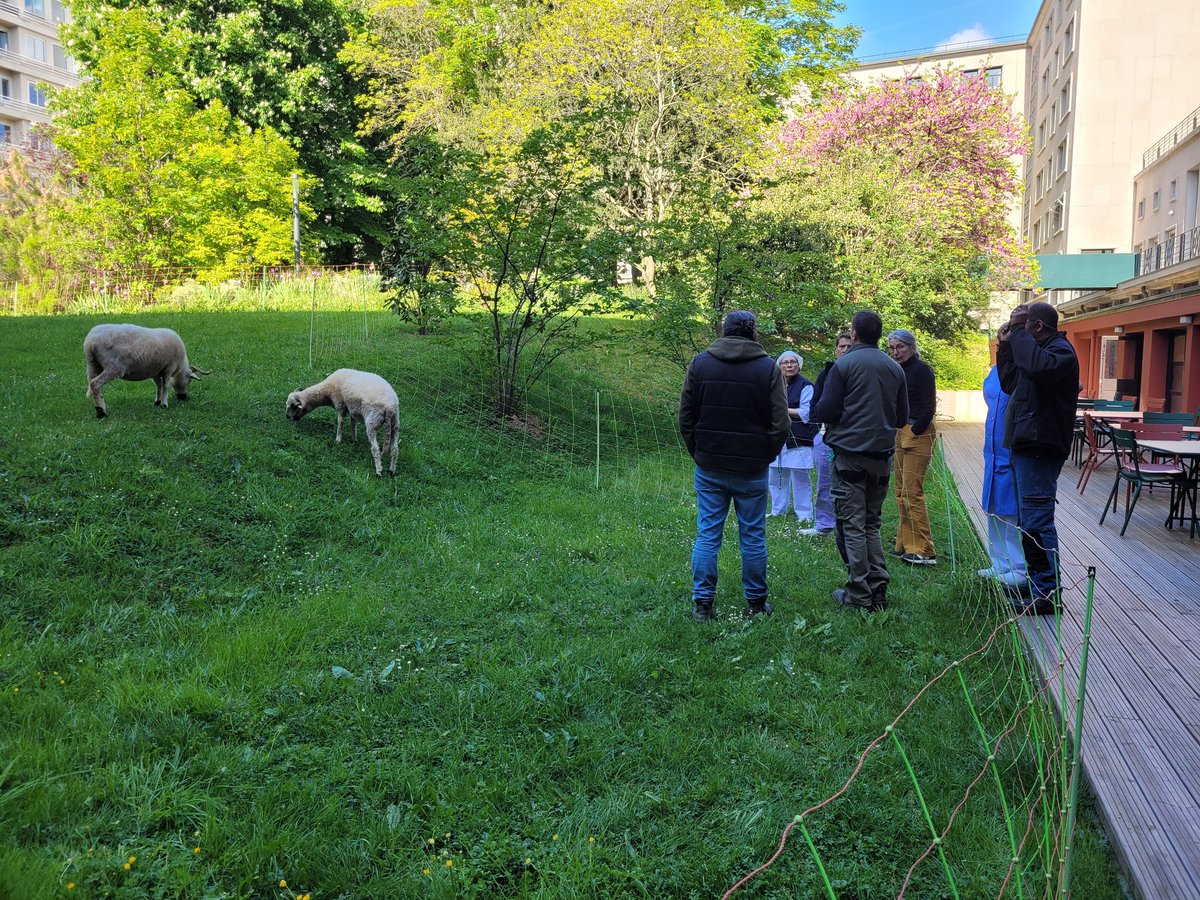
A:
5	133
1056	216
1069	39
1172	190
1037	235
1053	117
36	8
913	79
1039	184
35	48
970	73
60	13
1156	201
1141	209
994	75
1064	99
3	39
6	87
1057	63
61	60
1060	158
37	97
1045	82
1041	135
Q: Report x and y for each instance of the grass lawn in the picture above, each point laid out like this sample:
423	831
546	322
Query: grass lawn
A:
232	658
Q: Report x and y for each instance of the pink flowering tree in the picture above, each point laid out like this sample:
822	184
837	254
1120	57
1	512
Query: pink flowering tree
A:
913	183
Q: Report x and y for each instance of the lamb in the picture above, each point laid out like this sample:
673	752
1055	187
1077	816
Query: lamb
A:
135	353
363	396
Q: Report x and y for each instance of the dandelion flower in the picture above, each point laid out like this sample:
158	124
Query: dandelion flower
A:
127	867
431	841
449	864
132	860
197	850
70	885
591	840
555	837
282	883
528	860
424	871
62	681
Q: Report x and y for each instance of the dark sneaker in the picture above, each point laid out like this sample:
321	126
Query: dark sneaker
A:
703	611
1018	592
899	553
916	559
878	600
841	597
758	608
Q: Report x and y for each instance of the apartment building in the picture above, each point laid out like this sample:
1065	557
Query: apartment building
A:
31	57
1140	339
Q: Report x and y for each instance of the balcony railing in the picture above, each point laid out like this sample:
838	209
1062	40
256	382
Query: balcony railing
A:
1178	133
1177	248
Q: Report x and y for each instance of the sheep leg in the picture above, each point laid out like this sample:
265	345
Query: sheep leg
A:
96	390
338	438
395	436
160	391
375	451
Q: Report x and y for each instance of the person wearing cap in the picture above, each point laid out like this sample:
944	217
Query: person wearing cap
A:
914	450
790	481
733	416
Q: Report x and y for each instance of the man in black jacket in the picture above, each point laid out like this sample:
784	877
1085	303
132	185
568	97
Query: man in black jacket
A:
1039	370
862	403
733	416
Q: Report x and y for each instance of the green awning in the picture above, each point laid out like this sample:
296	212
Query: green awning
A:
1084	271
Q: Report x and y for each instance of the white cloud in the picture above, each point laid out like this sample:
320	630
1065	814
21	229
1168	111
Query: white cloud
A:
973	34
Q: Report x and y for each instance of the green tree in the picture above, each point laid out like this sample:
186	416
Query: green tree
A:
275	65
156	180
524	238
668	95
915	182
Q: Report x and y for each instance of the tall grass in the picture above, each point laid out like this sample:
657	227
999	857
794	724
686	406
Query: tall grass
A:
231	657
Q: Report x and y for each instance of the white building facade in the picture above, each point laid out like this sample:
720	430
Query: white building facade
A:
31	57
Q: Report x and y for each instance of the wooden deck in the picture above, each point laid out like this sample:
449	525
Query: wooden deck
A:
1141	726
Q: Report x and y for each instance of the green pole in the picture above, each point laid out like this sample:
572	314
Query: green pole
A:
1064	887
363	283
937	839
947	485
312	324
817	856
597	440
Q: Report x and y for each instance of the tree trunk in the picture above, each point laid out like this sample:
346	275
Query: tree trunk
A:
648	275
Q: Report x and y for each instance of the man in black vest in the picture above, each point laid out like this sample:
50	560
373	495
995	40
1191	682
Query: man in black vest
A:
733	416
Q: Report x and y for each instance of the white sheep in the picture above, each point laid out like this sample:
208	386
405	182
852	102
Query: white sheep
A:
364	397
134	353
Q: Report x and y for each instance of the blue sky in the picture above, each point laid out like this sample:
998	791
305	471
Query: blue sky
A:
892	27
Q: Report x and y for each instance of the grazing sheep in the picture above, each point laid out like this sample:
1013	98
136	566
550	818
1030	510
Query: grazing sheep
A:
135	353
364	397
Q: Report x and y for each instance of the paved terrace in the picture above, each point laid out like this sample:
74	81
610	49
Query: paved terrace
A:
1141	729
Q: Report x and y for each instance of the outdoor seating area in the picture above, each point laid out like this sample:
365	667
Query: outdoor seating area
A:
1141	748
1150	449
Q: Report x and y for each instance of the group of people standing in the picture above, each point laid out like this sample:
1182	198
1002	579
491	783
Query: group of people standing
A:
756	428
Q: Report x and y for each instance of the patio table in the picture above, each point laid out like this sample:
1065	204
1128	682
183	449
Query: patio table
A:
1188	452
1116	415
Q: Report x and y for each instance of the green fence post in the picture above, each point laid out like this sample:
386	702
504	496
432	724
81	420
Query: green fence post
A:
1064	886
816	856
597	440
312	324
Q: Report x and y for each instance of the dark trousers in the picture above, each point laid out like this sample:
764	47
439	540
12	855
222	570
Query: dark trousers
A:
859	487
1036	477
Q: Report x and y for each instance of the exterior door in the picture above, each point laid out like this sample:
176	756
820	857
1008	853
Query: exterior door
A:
1176	346
1108	366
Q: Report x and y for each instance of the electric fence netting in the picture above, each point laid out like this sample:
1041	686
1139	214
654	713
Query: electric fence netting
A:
1015	776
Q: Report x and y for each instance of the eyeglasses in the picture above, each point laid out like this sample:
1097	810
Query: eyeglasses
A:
893	348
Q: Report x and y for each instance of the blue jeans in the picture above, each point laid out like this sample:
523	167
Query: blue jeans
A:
1036	477
714	492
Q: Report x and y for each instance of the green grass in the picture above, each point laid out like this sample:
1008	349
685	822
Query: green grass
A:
219	630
